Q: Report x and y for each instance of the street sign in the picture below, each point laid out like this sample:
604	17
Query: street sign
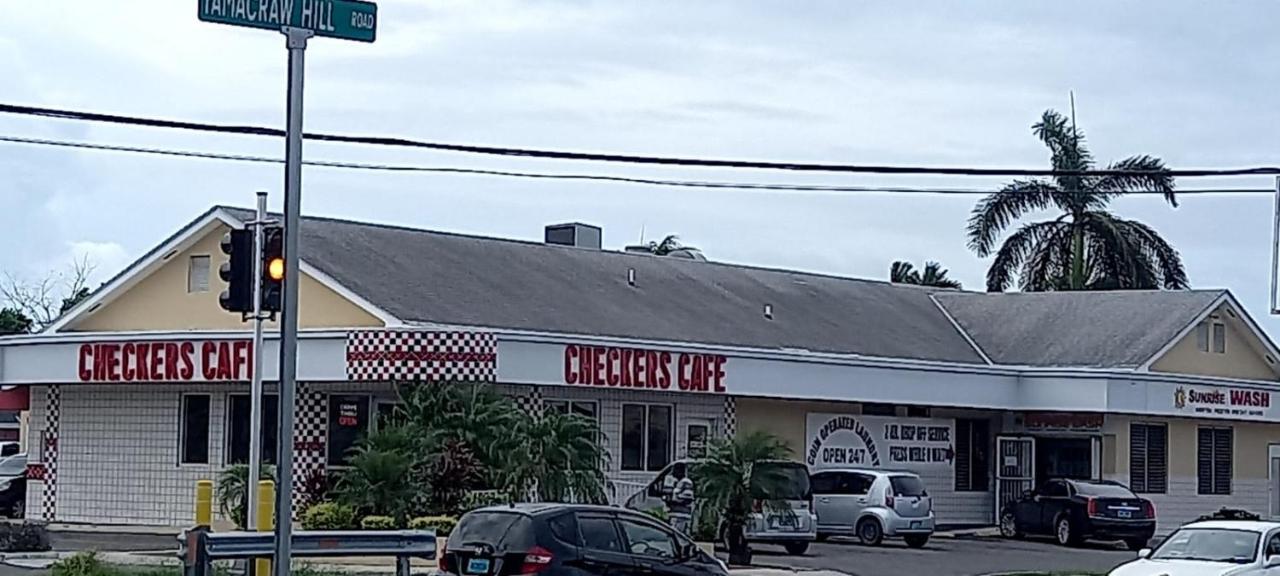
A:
345	19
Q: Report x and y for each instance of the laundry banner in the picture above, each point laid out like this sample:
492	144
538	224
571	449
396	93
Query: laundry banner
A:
852	441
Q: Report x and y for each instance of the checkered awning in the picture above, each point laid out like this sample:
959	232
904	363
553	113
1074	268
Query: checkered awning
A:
411	355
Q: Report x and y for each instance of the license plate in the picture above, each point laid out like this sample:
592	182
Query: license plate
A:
478	566
915	525
1124	513
784	520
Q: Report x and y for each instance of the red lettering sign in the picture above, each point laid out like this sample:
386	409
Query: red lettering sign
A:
644	369
222	361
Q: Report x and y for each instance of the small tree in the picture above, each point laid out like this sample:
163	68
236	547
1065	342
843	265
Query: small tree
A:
727	482
43	300
233	489
13	321
560	456
381	477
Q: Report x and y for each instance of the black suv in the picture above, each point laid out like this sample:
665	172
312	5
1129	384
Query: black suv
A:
570	539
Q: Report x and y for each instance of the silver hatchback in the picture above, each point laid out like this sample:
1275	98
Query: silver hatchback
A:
872	505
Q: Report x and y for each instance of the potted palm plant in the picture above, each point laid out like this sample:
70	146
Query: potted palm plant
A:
727	483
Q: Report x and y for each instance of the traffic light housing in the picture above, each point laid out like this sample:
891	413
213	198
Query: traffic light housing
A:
272	268
237	271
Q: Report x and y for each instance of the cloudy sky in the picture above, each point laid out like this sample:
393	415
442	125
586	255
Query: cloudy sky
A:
945	83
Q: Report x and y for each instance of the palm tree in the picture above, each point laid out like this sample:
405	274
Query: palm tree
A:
726	482
560	458
1086	247
233	490
934	275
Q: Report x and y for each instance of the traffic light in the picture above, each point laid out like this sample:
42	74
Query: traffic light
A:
237	271
272	268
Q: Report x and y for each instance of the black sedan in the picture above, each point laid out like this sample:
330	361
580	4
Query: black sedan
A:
1075	510
568	539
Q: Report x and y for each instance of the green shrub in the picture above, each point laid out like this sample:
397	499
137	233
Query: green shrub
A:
481	498
329	516
443	525
23	537
660	514
378	523
79	564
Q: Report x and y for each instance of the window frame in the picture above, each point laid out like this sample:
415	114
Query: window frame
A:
1213	488
1145	485
370	415
182	429
1202	336
1219	329
208	273
621	522
672	432
978	478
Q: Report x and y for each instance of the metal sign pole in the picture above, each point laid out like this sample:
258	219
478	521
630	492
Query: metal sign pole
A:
1275	249
255	386
297	44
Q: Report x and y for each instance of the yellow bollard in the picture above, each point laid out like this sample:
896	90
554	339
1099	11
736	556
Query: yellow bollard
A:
204	503
266	517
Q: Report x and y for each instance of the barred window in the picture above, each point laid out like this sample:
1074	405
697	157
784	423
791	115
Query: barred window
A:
1213	460
1149	458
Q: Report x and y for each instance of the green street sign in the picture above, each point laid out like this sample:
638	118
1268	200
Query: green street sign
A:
345	19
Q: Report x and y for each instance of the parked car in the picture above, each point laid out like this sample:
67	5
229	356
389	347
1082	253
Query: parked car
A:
1075	510
570	539
13	486
792	525
1212	548
873	504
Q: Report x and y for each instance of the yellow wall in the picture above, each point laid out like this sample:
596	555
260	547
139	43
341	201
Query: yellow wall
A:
1249	451
161	301
1243	358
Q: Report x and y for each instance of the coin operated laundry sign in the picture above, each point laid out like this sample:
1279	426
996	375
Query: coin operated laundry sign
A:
843	440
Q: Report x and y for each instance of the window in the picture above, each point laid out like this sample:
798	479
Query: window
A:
1202	337
1056	489
194	430
1213	460
348	421
973	439
584	408
1219	338
565	528
599	533
918	412
238	428
646	540
646	436
825	482
198	274
1149	458
879	409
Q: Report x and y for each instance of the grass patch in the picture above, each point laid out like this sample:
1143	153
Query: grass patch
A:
88	564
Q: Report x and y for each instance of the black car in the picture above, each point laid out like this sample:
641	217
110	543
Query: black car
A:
569	539
1075	510
13	497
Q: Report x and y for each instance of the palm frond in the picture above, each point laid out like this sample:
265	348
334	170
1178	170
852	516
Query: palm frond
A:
1047	265
903	273
935	275
996	212
1156	178
1172	274
1014	252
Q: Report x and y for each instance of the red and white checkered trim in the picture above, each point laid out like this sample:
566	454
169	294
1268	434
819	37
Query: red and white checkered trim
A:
309	441
49	453
408	355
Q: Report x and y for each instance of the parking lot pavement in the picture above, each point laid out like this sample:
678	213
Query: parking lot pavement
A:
946	557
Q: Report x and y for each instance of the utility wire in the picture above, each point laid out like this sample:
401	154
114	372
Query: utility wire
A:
613	158
553	176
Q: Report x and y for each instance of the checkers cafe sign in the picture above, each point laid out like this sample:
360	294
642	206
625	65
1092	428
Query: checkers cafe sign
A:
614	367
165	361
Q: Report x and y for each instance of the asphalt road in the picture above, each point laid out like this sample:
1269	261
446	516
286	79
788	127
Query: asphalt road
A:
946	557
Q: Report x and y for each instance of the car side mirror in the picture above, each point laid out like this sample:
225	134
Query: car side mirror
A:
1144	553
1272	561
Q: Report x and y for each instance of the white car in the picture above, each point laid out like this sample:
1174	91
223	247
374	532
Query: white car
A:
1211	548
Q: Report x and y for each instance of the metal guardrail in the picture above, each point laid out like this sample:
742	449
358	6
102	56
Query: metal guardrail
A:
198	548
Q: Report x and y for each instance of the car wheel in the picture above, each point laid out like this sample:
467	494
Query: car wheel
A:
1065	532
916	540
1135	544
1009	526
796	548
869	531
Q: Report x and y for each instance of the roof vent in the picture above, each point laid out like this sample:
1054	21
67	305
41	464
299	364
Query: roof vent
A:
768	311
631	276
574	234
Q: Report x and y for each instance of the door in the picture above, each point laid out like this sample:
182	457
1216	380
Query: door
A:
844	497
1015	469
1273	478
603	551
1027	512
1054	498
826	499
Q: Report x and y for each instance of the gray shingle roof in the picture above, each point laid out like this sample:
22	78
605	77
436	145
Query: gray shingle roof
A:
424	276
1081	329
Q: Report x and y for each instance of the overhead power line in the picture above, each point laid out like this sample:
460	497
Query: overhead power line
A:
555	176
612	158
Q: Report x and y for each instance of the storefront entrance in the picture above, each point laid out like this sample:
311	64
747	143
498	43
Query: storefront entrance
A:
1065	457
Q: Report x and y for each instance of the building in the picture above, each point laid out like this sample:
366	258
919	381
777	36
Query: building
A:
141	389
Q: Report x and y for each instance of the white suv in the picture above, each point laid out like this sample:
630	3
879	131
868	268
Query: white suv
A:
872	504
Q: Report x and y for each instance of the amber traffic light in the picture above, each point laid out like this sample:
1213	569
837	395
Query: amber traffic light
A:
272	268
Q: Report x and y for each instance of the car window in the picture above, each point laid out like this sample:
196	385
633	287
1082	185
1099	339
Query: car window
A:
824	482
501	530
647	540
599	533
858	484
1103	490
1273	546
565	528
1055	489
1209	545
907	486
